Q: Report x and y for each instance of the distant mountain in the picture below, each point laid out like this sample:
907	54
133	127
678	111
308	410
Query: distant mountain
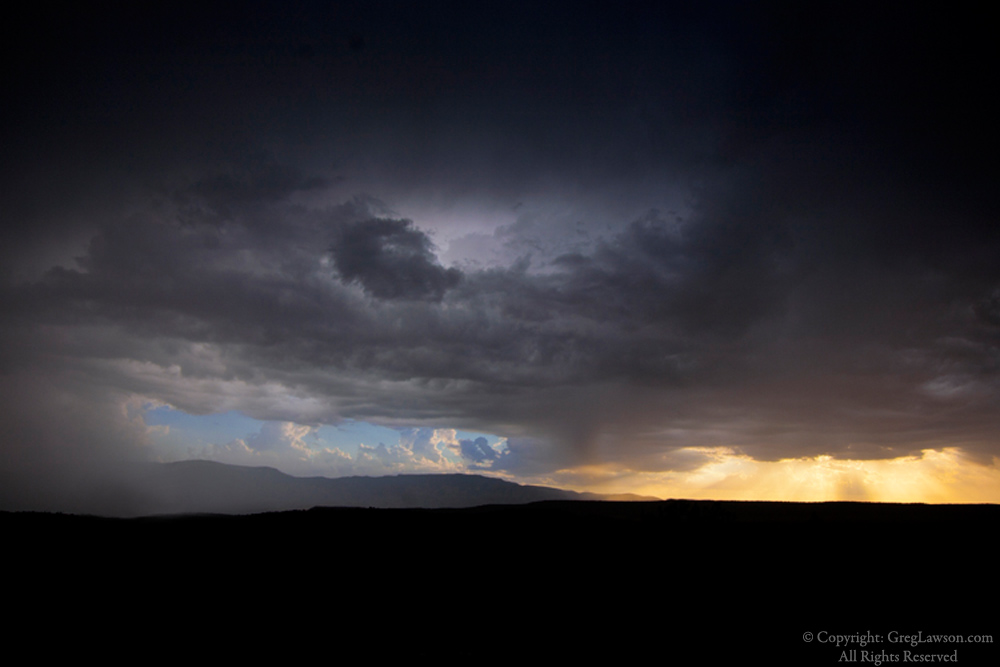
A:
209	487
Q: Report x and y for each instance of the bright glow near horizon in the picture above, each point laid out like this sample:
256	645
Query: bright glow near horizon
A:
936	476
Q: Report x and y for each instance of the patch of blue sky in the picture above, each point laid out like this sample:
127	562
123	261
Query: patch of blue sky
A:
225	427
219	428
347	435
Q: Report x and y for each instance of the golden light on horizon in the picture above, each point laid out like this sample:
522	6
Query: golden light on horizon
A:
935	476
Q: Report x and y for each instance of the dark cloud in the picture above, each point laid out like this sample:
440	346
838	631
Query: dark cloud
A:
701	321
391	259
259	180
767	227
988	309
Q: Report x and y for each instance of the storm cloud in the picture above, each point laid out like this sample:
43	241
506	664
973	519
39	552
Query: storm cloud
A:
610	237
391	260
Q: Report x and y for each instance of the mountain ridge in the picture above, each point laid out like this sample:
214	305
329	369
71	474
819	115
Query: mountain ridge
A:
211	487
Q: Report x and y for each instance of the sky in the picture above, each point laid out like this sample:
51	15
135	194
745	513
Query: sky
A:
704	250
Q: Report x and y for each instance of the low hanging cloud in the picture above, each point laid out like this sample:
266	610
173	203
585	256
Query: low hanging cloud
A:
707	324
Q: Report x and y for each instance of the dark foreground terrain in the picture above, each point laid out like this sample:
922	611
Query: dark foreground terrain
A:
673	582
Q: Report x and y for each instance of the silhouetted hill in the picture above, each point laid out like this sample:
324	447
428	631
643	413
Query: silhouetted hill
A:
686	582
208	487
216	488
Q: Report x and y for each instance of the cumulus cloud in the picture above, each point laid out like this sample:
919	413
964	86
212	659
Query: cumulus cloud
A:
278	436
478	450
417	451
298	450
